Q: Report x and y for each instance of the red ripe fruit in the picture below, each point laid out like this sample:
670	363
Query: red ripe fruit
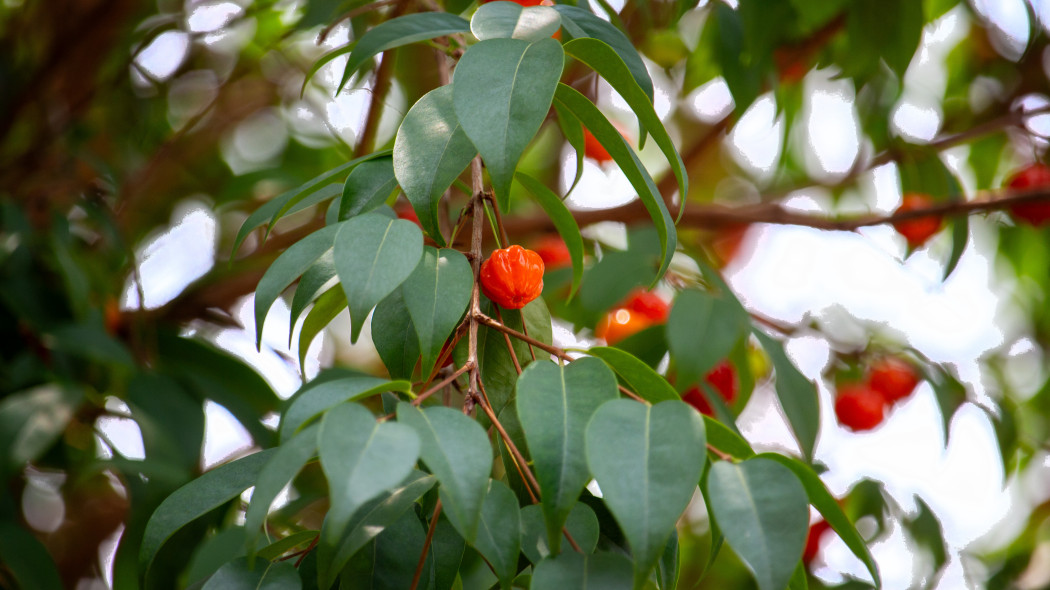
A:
554	252
813	540
512	277
723	379
641	310
593	149
1035	176
406	212
859	407
893	378
917	229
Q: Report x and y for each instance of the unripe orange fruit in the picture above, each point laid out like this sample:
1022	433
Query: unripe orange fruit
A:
918	229
593	149
553	251
1034	176
512	277
893	378
859	407
813	540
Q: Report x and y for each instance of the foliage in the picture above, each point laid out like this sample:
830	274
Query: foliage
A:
474	449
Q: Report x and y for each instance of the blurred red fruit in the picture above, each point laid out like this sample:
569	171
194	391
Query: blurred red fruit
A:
553	251
917	229
1035	176
813	540
593	149
893	378
859	407
641	310
723	379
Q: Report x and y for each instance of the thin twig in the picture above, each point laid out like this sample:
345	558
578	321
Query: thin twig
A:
475	292
426	545
349	15
467	366
530	478
484	319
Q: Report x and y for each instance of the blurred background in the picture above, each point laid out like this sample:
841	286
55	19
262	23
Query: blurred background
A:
136	137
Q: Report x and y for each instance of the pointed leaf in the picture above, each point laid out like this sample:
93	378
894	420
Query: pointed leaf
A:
318	279
437	294
394	336
727	440
373	256
292	200
448	548
27	559
582	524
325	309
508	20
499	532
281	546
563	221
389	562
628	161
643	380
555	403
195	499
278	471
292	263
456	450
431	150
797	395
367	187
830	509
601	571
601	58
572	129
701	331
377	514
578	23
647	461
501	91
316	398
362	459
950	394
761	509
33	420
399	31
241	574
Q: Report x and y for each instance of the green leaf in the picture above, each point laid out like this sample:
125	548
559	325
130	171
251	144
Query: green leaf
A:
572	129
629	163
367	187
582	524
725	439
325	309
389	563
829	508
448	548
430	152
501	91
643	380
292	263
509	20
373	256
702	330
170	419
601	571
499	531
563	221
601	58
198	497
578	23
886	30
647	461
278	471
293	200
456	450
797	395
437	294
316	398
394	336
667	567
31	421
362	459
926	530
497	369
379	513
241	574
283	545
317	280
554	404
26	559
950	394
761	509
91	342
744	81
399	31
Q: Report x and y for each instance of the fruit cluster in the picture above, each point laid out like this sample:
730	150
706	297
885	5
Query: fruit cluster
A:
862	406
